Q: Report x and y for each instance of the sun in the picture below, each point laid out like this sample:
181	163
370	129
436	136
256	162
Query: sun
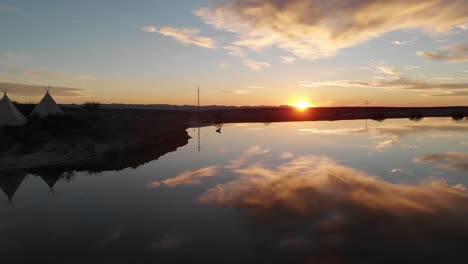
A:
302	105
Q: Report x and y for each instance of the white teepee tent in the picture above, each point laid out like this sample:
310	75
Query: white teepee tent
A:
9	115
47	106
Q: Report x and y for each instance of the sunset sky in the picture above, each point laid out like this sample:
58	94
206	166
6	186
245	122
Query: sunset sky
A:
240	52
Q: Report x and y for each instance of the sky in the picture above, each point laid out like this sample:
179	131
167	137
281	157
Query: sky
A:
239	52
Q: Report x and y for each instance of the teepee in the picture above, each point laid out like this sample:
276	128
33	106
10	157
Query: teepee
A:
10	183
47	106
9	114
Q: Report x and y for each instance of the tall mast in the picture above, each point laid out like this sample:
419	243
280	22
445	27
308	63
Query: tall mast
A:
198	90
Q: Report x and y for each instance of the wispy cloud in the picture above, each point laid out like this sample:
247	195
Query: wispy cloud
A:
247	90
237	91
411	67
455	53
184	35
395	81
396	42
401	171
36	90
286	155
252	64
400	83
307	84
463	26
400	43
287	60
450	78
388	70
60	75
318	29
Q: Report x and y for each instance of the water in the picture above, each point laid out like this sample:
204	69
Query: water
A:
306	192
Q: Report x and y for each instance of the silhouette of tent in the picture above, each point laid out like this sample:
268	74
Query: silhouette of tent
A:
47	106
50	180
9	114
51	175
10	183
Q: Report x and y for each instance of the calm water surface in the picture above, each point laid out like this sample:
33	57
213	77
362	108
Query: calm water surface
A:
306	192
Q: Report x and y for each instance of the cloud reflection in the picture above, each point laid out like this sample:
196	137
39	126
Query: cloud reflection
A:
451	160
249	153
167	242
316	205
187	178
395	132
314	185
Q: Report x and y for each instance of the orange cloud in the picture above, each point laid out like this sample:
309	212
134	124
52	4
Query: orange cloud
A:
319	29
456	53
184	35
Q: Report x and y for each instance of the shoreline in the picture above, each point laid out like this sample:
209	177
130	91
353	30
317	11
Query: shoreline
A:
117	139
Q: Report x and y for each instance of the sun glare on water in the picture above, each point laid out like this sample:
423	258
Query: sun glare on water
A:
302	105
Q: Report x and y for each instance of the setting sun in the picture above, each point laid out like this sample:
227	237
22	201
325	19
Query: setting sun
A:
302	105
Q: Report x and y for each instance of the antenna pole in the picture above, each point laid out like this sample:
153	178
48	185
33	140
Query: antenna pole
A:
198	91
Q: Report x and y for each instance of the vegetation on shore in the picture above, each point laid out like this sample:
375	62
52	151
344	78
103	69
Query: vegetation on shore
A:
83	133
129	136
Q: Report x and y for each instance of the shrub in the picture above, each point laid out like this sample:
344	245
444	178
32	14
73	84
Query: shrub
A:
457	115
91	106
417	116
379	117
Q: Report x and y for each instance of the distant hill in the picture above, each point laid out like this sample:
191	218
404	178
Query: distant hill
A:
170	107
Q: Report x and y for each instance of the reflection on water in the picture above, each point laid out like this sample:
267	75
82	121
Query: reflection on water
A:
314	185
317	206
188	177
452	160
10	183
312	192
